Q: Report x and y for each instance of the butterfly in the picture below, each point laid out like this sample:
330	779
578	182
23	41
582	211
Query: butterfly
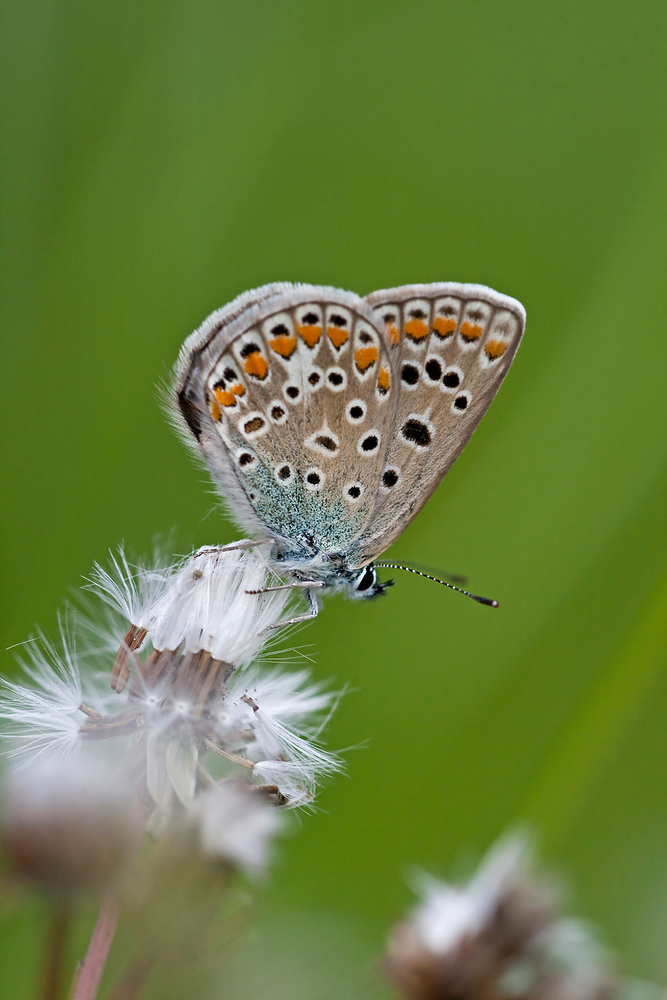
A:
327	420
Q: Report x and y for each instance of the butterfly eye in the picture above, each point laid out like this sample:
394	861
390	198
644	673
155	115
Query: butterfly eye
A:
366	580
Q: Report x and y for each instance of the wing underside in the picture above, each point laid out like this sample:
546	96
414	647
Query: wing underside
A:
292	405
452	346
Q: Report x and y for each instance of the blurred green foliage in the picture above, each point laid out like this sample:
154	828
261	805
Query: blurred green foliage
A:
161	157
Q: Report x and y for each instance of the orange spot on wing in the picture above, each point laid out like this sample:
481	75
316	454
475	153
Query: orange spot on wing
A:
365	357
283	345
495	349
310	333
384	381
444	326
215	410
256	365
224	397
416	329
393	335
337	335
470	331
237	389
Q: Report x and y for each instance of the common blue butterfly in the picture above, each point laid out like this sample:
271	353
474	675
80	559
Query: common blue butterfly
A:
326	420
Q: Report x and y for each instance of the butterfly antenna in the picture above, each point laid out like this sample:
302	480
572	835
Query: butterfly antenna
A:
456	578
427	576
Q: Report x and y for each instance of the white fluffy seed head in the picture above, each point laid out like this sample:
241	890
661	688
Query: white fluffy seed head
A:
235	825
193	626
43	716
206	606
272	723
130	590
200	603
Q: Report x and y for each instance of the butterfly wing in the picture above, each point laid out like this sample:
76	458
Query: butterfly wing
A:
452	345
289	393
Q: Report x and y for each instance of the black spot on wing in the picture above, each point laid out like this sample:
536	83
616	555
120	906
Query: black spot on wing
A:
417	432
433	369
326	442
410	374
190	413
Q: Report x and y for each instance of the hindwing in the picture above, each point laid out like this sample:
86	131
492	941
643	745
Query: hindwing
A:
451	346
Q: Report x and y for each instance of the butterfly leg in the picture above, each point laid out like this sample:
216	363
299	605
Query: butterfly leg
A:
246	543
307	584
312	601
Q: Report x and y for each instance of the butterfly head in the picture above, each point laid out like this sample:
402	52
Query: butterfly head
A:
366	584
359	584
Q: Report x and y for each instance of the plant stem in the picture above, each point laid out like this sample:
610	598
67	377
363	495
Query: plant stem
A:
98	950
55	946
88	976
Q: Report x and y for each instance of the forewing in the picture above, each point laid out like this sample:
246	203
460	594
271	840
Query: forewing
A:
451	345
291	402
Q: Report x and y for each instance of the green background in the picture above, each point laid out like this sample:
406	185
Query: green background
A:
161	157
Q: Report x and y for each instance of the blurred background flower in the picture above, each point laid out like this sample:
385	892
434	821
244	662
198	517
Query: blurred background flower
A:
499	936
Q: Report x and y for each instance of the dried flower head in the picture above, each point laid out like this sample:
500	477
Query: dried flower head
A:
497	937
184	707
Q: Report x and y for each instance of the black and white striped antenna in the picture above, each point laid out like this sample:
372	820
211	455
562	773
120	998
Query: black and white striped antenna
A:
436	579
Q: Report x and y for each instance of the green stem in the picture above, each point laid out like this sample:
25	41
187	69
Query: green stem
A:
55	947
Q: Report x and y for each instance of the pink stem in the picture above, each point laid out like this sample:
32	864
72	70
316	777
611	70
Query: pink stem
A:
98	950
89	975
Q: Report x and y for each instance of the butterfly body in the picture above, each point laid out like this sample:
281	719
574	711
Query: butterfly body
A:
327	420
